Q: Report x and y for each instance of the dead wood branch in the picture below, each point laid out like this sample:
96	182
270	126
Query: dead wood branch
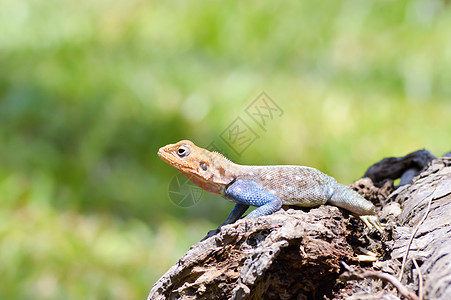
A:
296	254
354	273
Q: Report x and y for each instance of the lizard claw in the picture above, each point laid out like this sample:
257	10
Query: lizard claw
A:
368	255
373	221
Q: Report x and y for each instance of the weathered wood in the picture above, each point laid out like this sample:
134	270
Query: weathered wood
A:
284	255
419	230
296	254
426	214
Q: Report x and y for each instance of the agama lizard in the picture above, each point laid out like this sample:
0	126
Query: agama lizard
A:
266	187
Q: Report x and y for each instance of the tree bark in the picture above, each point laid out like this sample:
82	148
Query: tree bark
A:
305	253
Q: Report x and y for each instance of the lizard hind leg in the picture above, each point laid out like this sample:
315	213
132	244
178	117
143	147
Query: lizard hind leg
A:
373	221
349	199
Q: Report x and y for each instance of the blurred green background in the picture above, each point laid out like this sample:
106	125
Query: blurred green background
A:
89	90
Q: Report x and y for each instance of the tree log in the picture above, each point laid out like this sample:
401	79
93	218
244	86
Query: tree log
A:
300	253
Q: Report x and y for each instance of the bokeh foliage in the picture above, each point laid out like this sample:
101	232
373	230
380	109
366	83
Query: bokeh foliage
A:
89	90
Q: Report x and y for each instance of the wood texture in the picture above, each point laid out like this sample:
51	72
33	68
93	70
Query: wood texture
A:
297	253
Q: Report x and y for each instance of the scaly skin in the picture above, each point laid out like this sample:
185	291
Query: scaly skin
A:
266	187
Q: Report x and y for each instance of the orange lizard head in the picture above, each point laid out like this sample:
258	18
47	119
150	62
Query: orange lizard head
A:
209	170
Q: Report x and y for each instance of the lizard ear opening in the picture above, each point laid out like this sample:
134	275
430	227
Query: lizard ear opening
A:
183	151
203	165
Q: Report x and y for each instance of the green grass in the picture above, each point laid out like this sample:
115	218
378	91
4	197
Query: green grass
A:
90	90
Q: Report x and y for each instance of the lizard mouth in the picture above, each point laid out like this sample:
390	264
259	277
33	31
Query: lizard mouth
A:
163	154
167	156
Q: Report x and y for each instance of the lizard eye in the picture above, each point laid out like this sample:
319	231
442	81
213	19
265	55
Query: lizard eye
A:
203	166
182	151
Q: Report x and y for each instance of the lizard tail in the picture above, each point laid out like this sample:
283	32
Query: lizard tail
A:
349	199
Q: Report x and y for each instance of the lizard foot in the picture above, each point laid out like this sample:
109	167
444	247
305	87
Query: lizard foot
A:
373	221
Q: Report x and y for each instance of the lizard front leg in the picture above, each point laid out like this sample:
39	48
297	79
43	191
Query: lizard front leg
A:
248	193
236	213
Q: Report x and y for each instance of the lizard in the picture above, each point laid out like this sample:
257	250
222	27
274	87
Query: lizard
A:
265	187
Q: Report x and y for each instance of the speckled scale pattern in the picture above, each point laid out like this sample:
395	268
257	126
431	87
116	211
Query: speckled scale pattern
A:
294	185
301	186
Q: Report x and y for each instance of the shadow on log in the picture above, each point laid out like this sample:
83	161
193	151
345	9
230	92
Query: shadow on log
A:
300	253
